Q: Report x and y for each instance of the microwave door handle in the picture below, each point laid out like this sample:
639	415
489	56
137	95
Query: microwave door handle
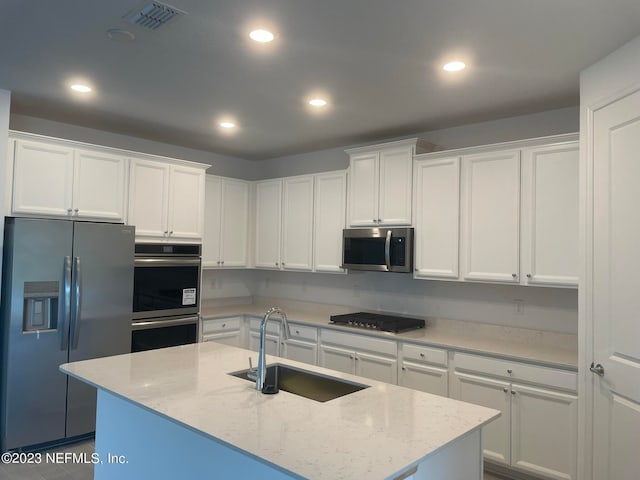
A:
387	251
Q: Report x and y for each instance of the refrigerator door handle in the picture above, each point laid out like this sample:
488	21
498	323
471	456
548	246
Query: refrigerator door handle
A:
66	304
77	307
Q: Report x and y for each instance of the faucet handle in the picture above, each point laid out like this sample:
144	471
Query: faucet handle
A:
252	373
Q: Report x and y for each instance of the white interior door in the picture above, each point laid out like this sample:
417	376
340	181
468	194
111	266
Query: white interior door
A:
615	301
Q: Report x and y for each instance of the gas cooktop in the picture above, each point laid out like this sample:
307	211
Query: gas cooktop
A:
375	321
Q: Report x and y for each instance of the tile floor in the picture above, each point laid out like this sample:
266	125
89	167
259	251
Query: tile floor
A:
75	471
55	469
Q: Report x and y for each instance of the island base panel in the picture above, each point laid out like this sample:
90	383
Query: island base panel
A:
132	442
152	446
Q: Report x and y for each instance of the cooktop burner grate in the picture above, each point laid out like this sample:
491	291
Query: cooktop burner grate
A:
375	321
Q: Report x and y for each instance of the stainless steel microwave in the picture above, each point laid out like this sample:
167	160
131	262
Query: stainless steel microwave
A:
378	249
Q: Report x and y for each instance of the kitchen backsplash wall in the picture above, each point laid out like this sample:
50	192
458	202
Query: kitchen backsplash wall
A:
551	309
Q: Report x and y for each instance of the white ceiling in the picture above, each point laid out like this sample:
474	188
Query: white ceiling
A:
378	60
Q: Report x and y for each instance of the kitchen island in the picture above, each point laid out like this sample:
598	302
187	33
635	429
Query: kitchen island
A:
177	412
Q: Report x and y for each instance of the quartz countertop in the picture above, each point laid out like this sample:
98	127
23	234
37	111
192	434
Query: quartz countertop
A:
373	433
542	347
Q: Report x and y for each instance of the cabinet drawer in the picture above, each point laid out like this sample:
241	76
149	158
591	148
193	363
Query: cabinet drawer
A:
420	353
517	371
360	342
303	332
273	325
218	325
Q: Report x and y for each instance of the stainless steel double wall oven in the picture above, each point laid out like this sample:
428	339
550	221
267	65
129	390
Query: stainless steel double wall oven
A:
166	295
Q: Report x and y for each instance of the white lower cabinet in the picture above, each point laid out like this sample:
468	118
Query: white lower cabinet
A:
423	368
537	432
271	339
302	346
492	394
229	331
360	355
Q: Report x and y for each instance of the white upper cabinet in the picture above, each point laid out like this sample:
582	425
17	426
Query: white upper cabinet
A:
226	223
297	223
235	223
51	178
550	215
148	197
99	185
166	201
268	223
363	189
396	172
186	202
437	218
330	212
380	183
491	216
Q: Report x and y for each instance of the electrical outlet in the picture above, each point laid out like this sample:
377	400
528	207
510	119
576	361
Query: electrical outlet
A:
518	306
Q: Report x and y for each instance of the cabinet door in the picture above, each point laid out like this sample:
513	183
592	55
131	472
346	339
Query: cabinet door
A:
363	189
437	218
492	394
42	179
490	216
268	223
148	193
186	202
330	211
212	222
297	223
306	352
336	358
99	185
544	430
271	343
550	215
235	218
396	172
424	377
377	367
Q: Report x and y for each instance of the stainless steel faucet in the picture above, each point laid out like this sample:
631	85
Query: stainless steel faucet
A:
262	369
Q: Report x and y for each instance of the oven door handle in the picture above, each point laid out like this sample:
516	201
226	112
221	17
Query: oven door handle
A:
166	262
147	324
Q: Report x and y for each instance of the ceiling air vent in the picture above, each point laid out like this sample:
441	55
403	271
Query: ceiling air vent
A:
154	15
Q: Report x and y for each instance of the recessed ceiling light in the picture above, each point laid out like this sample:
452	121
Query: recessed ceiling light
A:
227	124
454	66
78	87
317	102
262	36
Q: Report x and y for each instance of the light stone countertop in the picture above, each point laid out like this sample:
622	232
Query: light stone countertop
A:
371	434
552	349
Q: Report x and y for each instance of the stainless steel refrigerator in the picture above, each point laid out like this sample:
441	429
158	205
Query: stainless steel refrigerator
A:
66	296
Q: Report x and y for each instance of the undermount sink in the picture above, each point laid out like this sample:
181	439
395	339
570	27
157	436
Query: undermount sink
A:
314	386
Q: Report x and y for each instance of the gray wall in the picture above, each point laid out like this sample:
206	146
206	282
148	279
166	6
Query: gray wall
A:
5	104
552	122
221	165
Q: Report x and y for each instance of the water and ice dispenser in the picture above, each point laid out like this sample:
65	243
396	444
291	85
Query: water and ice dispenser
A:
40	306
